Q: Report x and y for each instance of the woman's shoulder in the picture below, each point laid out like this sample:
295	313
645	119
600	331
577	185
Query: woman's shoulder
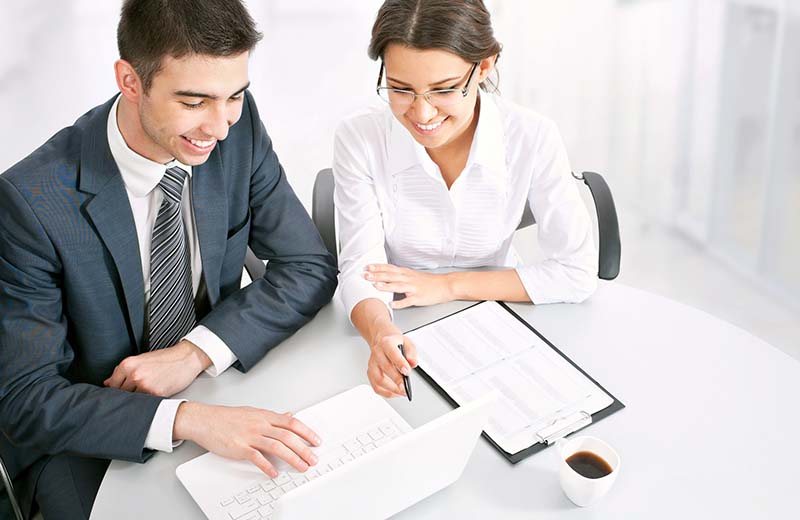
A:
366	122
521	123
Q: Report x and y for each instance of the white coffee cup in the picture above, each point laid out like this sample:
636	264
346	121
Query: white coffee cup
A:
584	491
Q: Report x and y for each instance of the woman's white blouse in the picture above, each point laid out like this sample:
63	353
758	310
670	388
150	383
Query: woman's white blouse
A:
393	206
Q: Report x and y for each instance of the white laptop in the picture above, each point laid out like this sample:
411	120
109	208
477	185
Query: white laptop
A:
372	464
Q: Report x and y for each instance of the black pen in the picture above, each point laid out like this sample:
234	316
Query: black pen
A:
406	380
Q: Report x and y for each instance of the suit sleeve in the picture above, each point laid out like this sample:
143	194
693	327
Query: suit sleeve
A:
40	408
301	273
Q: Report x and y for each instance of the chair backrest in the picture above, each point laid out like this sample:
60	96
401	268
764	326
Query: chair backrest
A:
323	211
323	215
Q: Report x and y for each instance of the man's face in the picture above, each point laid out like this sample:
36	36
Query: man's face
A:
190	106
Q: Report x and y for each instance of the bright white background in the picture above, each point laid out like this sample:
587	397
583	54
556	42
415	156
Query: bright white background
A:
690	108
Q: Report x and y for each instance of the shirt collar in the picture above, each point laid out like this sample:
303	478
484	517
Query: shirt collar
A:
140	175
487	149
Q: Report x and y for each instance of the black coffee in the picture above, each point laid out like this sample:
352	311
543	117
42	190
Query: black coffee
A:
589	464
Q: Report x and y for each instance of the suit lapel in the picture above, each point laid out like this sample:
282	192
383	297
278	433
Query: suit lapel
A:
211	218
110	213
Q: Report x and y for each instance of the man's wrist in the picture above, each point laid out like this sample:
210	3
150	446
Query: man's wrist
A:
183	427
197	356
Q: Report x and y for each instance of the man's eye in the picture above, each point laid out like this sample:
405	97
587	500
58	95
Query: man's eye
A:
192	105
237	97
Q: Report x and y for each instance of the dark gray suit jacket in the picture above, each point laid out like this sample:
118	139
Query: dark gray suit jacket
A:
72	295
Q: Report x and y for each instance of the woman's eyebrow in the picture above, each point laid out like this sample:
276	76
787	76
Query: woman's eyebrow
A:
447	80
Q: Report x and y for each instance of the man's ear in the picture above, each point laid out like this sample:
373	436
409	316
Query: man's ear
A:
128	81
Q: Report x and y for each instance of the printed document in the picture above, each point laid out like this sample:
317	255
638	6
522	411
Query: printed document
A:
486	347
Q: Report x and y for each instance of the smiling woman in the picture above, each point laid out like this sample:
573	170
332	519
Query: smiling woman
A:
440	179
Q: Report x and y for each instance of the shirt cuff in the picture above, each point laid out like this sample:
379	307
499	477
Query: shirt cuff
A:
221	356
159	437
356	289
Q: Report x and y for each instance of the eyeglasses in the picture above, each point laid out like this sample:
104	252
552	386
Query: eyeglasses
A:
442	97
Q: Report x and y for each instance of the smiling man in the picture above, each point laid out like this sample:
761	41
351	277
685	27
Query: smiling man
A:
122	242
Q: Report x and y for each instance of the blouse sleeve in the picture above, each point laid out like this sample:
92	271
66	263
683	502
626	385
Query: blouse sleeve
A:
360	223
568	272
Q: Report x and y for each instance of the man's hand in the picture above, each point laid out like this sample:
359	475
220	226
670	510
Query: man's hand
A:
420	288
245	433
162	372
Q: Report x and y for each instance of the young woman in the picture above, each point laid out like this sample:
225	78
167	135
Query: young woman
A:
439	178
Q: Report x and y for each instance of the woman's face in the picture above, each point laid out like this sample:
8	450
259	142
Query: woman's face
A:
432	69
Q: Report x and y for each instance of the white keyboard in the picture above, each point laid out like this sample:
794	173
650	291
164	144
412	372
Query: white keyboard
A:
257	499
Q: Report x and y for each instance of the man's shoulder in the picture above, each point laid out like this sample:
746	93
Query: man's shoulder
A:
56	163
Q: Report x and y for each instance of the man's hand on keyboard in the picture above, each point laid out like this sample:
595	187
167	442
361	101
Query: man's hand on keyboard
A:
246	433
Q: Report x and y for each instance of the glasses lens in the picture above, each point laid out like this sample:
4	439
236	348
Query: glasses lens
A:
444	98
396	97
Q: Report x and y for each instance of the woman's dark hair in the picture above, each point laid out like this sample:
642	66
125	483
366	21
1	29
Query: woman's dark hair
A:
463	27
151	29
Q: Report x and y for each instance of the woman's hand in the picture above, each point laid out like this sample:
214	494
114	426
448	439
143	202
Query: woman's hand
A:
420	288
386	366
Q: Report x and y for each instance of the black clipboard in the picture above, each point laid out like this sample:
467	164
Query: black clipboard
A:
513	458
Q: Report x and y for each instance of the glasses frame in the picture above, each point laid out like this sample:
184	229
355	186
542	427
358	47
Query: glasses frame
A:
427	95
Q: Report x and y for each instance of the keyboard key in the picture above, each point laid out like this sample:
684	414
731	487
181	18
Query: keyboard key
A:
299	481
276	493
368	448
253	489
389	429
335	464
375	434
226	502
357	453
242	498
282	479
364	439
347	458
288	487
237	511
268	485
264	500
265	511
252	516
324	469
351	446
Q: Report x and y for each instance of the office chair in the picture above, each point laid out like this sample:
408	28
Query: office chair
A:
322	213
9	488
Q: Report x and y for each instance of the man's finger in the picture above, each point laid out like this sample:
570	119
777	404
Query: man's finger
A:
280	450
261	462
298	427
116	379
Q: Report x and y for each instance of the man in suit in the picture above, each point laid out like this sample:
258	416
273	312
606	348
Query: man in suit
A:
122	242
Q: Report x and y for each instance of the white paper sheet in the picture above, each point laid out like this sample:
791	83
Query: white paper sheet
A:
485	347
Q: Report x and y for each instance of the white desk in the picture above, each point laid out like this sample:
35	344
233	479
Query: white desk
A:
710	429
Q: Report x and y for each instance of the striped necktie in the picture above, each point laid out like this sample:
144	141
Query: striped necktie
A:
172	312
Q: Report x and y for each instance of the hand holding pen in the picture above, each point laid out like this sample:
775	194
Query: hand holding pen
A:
388	367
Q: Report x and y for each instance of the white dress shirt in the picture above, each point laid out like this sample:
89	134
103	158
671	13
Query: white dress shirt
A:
142	177
393	206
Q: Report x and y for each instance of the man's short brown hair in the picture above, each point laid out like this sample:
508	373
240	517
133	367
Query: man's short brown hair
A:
149	30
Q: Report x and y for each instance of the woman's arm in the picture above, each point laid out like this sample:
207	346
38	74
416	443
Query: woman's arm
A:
421	288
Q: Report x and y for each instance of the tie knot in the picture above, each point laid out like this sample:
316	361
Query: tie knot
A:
172	183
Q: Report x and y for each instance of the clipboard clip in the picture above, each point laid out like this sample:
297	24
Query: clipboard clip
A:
563	426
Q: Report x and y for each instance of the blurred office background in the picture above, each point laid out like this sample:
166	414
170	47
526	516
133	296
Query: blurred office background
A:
690	108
